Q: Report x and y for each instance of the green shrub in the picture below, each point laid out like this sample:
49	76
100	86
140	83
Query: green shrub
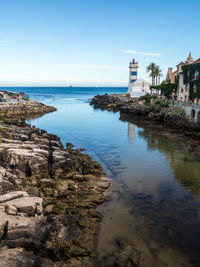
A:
164	103
177	112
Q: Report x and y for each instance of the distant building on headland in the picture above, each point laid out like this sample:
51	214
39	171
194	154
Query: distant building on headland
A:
7	96
137	87
187	77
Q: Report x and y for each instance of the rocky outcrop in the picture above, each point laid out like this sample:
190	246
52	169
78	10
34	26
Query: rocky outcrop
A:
167	116
48	200
24	108
112	102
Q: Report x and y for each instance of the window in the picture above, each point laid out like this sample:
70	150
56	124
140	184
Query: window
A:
134	73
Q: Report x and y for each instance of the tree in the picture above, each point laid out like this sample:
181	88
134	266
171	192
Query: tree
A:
167	89
151	69
158	74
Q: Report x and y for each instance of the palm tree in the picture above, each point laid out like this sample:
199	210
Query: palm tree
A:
158	74
151	69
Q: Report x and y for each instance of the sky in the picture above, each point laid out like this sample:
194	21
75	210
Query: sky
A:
90	42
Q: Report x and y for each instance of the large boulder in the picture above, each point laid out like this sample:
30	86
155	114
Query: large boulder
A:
12	195
28	205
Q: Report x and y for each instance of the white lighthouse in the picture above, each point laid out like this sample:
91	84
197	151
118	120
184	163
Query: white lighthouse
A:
136	87
133	67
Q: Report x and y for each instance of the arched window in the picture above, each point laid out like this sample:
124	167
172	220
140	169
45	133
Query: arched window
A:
192	114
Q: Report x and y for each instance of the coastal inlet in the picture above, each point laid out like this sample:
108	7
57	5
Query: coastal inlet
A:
154	174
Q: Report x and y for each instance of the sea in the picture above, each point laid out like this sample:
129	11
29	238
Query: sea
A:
153	203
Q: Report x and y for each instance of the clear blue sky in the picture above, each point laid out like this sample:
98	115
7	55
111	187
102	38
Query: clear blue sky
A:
85	42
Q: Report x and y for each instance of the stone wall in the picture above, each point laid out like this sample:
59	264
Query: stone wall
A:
192	110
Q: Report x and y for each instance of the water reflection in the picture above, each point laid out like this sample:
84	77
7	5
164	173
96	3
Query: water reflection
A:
153	202
185	166
131	132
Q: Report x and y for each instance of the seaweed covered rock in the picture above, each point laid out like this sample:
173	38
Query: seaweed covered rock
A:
24	108
128	255
48	199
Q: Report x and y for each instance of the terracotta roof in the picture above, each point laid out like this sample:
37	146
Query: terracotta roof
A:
181	63
197	61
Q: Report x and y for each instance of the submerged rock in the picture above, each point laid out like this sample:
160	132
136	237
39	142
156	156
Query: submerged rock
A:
128	255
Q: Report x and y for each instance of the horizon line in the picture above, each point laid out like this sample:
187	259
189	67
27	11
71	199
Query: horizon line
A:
54	86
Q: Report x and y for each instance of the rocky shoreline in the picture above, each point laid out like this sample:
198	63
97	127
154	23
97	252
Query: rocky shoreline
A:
163	118
24	108
48	198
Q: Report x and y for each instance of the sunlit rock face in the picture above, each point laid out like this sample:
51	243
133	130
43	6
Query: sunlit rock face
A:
139	88
48	196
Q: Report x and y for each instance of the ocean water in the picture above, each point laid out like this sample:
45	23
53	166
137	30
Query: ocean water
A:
153	202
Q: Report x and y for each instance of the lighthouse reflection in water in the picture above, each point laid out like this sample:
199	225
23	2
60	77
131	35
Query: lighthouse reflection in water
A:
131	132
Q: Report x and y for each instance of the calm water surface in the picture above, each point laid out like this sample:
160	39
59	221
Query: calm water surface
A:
154	199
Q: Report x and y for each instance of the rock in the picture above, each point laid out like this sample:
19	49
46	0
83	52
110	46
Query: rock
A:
128	255
26	108
74	263
57	217
47	182
29	205
11	210
15	257
69	146
5	185
12	195
104	183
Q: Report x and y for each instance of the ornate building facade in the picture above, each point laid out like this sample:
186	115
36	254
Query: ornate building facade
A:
187	90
